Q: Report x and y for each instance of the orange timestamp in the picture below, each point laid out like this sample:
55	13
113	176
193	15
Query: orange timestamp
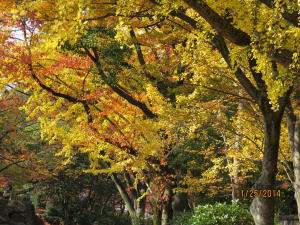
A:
257	193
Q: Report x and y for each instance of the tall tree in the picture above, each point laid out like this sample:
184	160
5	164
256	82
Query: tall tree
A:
254	38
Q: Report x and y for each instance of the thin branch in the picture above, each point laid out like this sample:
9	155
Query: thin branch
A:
236	95
10	165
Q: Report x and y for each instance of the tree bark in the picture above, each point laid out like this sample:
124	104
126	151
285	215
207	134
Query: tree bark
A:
293	125
66	208
180	199
236	183
236	168
141	204
157	216
262	208
167	211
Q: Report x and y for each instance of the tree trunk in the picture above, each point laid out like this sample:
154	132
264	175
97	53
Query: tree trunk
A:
167	211
234	179
136	208
66	208
157	216
236	182
262	208
293	125
296	164
238	139
180	199
140	205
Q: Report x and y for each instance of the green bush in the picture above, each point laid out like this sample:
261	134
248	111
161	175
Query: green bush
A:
217	214
53	213
181	218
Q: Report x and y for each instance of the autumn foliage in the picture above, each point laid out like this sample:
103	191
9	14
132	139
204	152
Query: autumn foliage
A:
167	97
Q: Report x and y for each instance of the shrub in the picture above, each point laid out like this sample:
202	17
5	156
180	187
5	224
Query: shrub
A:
181	218
53	213
217	214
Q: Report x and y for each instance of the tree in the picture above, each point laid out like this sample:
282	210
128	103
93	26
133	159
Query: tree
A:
293	137
105	136
262	51
18	144
254	49
76	194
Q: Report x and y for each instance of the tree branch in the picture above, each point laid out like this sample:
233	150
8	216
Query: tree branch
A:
6	195
291	17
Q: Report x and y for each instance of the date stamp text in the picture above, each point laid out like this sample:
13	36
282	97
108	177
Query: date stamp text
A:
257	193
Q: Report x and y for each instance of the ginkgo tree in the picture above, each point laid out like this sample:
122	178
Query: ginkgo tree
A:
247	38
255	40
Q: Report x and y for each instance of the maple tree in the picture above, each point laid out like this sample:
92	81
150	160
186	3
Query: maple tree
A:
116	98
